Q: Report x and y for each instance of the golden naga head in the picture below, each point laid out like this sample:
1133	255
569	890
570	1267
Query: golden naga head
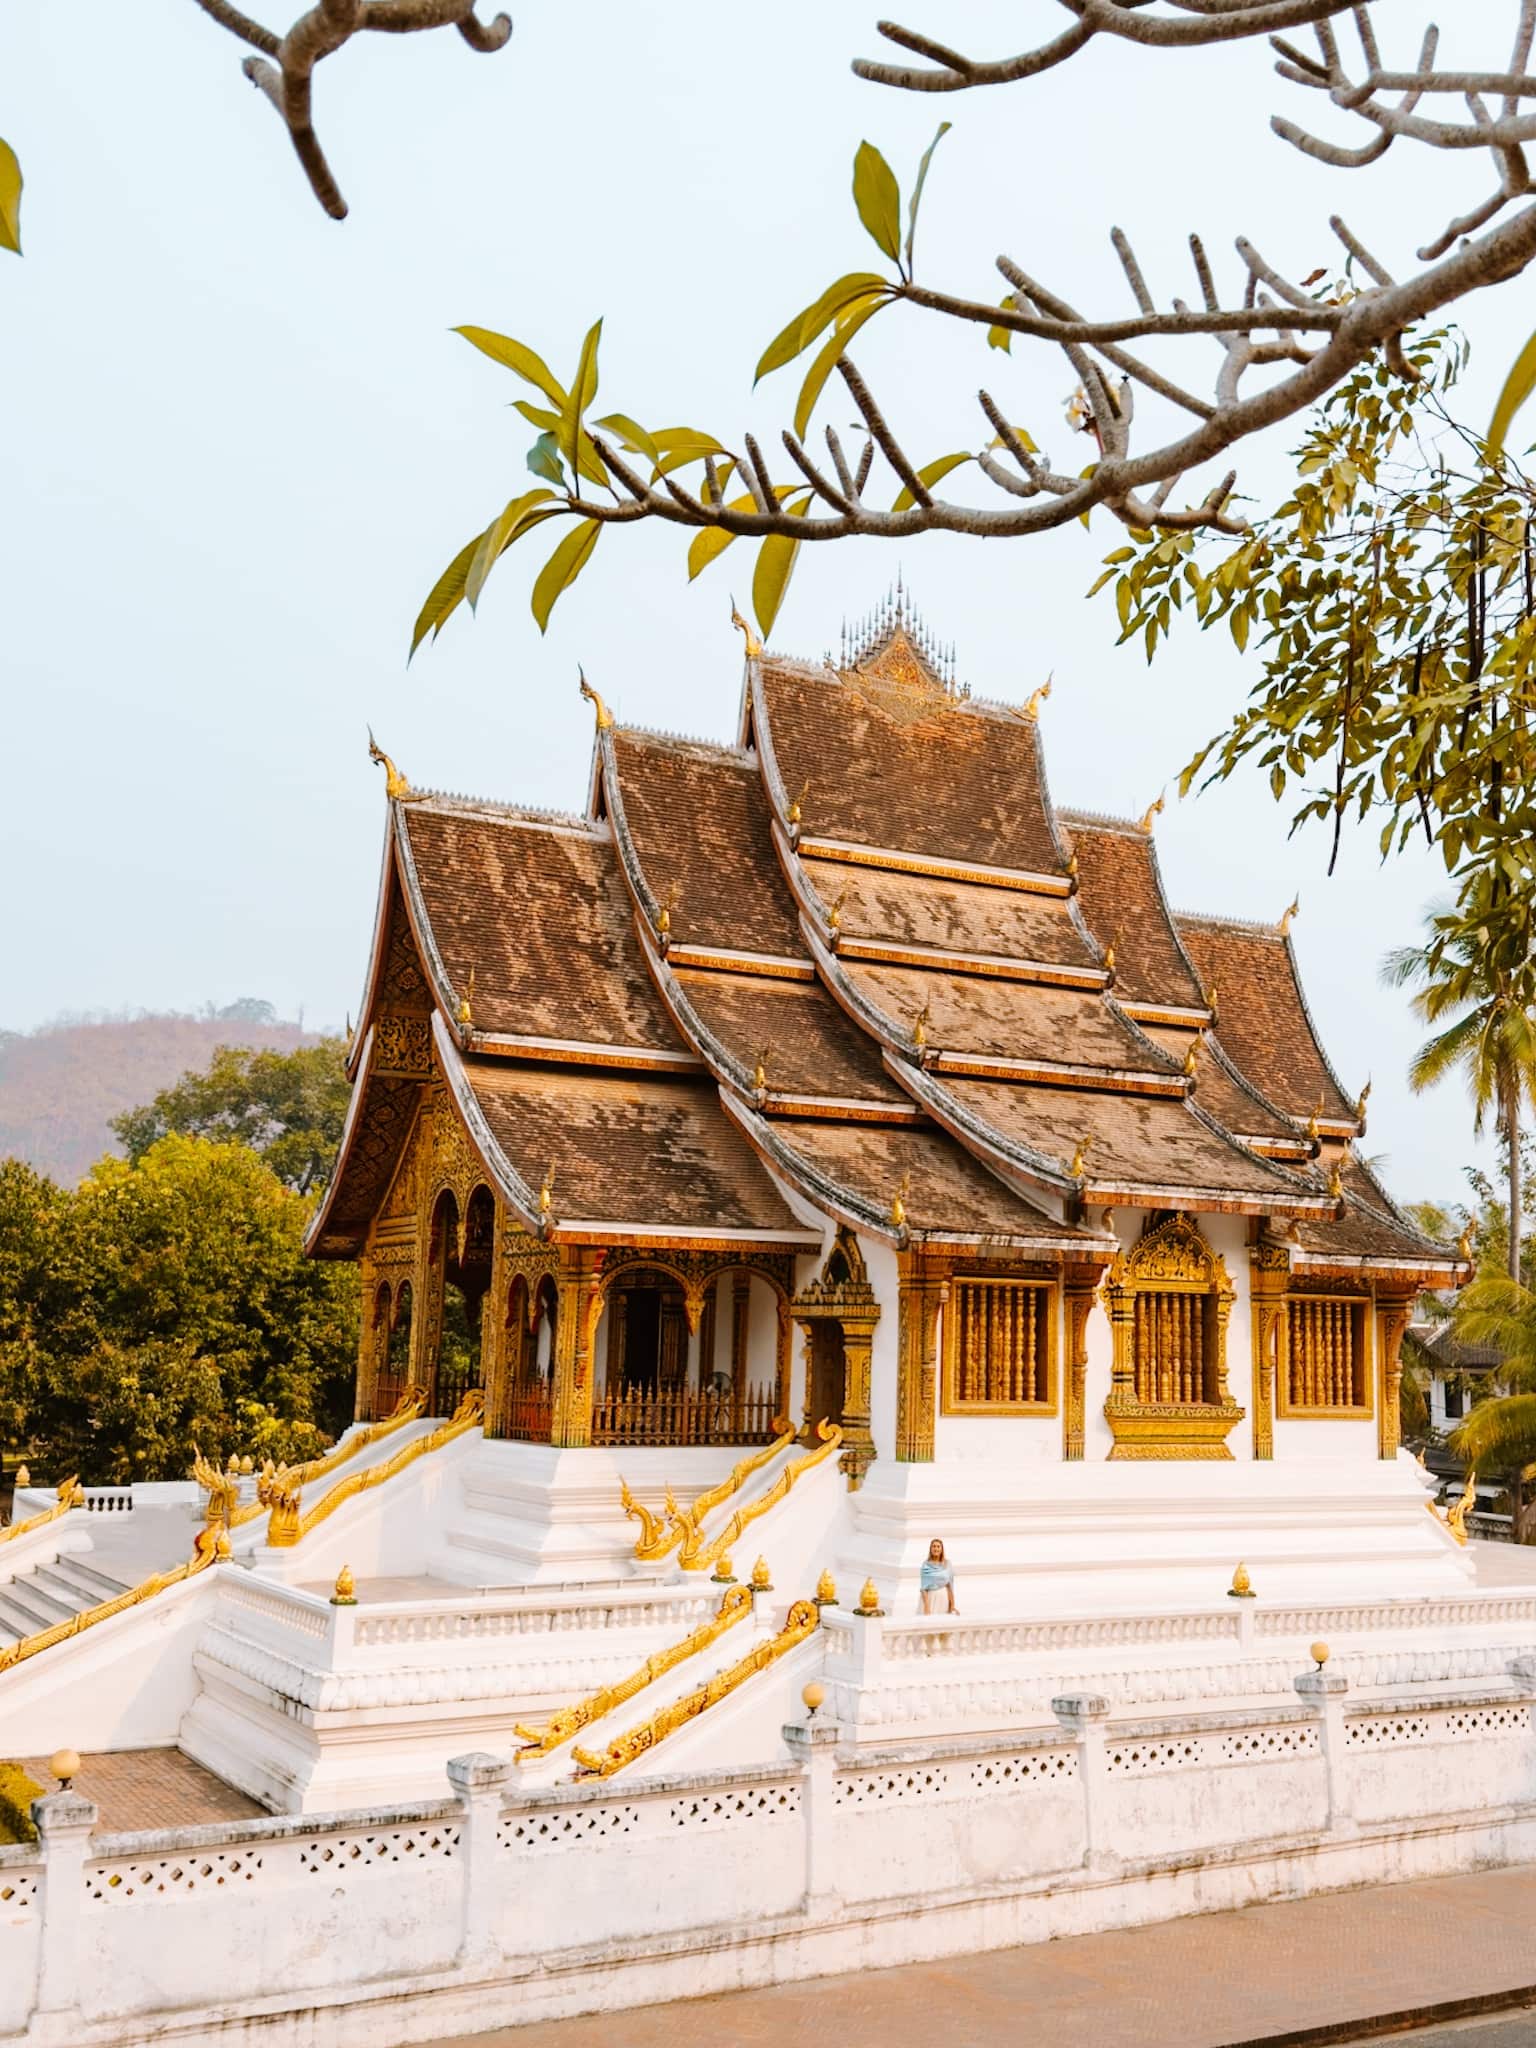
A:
466	1009
396	788
604	715
1463	1246
793	815
760	1071
1360	1101
1336	1180
920	1025
1079	1163
1152	811
1032	708
754	646
1288	917
1192	1057
547	1193
899	1203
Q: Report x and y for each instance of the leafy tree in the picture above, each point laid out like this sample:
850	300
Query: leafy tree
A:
164	1300
289	1106
1487	1034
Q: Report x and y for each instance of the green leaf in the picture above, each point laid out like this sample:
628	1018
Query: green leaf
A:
582	393
563	567
806	325
544	459
538	416
513	520
711	541
917	190
775	566
514	356
878	198
930	473
10	200
1518	386
633	437
445	596
826	357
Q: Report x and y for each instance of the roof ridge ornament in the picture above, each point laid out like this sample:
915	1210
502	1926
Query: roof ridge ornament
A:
1192	1057
1078	1168
1144	824
1289	916
547	1203
754	646
1360	1101
899	1206
1031	709
466	1009
664	917
604	715
396	787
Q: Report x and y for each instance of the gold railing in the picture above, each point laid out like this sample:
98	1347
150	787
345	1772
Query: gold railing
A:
71	1494
696	1553
290	1522
736	1606
409	1408
210	1547
661	1534
803	1620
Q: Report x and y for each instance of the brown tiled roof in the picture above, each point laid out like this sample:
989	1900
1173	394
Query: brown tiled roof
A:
543	918
931	776
698	817
1220	1091
947	1191
1371	1226
628	1148
1004	1019
1136	1140
813	1049
1263	1015
965	917
1122	899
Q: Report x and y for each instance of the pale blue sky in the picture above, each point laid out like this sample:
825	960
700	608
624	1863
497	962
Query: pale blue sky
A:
242	443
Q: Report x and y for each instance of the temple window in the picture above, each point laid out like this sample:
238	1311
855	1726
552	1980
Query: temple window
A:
1169	1299
394	1340
1327	1355
464	1251
1175	1347
999	1353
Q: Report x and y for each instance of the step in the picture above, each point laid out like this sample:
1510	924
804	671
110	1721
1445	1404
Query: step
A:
20	1618
81	1581
41	1601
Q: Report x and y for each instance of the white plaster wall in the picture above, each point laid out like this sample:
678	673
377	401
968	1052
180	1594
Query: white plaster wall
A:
1307	1443
20	1926
885	1361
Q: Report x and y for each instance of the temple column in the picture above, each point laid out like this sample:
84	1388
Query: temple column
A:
808	1364
1392	1317
741	1320
1077	1293
367	1340
497	1342
1269	1269
858	1452
580	1306
782	1357
922	1293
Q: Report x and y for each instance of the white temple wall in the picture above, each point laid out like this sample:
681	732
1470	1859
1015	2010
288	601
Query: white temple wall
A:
1307	1442
1228	1235
885	1360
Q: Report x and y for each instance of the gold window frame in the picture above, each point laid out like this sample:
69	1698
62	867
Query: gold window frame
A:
1049	1317
1287	1410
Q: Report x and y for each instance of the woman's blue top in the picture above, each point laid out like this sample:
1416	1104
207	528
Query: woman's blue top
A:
932	1576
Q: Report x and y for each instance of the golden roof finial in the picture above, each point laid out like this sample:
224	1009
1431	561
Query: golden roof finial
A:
396	788
547	1193
1360	1101
1463	1247
1151	812
835	909
1032	708
1314	1120
794	809
760	1071
1079	1159
754	645
899	1202
604	715
1291	912
466	1012
1336	1180
1210	1001
664	913
1072	867
1192	1057
1109	955
920	1025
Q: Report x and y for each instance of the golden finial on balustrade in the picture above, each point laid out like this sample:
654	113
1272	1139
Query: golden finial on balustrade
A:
723	1575
234	1463
869	1601
812	1693
247	1466
345	1591
761	1583
23	1476
1241	1587
826	1590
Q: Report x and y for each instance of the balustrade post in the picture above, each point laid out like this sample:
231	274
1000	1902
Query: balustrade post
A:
64	1821
813	1745
479	1783
1324	1691
1082	1716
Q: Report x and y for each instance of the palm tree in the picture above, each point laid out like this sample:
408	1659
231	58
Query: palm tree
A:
1475	979
1500	1433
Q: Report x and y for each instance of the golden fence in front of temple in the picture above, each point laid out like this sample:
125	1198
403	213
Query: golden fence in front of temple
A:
670	1416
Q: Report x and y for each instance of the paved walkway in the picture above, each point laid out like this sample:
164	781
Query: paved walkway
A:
1218	1981
150	1788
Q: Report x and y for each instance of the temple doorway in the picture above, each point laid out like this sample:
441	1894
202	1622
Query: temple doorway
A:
466	1268
828	1374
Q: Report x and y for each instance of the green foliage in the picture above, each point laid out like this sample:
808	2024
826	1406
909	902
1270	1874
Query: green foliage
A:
567	458
17	1792
289	1106
10	199
166	1300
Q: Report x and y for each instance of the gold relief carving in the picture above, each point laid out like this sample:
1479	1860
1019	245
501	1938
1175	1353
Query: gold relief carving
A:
578	1284
1000	1346
696	1555
403	986
560	1727
1392	1316
1169	1300
1269	1266
70	1494
802	1621
402	1045
696	1272
841	1294
1079	1300
922	1293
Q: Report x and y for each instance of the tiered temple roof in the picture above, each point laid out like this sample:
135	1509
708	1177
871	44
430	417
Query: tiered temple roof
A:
856	965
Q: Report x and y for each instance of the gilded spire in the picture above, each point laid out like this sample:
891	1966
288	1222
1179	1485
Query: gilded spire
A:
466	1011
1192	1057
396	788
794	809
920	1025
1360	1101
1152	810
899	1203
1336	1180
1285	921
753	644
1080	1159
604	715
664	915
547	1200
1463	1250
835	910
1032	708
1315	1120
760	1071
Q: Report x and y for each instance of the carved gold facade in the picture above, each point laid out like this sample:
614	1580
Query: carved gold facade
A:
1169	1301
838	1313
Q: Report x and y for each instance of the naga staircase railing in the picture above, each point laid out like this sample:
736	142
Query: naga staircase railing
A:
209	1547
560	1727
661	1534
696	1554
221	1488
71	1494
291	1522
802	1622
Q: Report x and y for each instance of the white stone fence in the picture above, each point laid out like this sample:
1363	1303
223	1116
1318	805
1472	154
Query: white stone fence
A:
501	1904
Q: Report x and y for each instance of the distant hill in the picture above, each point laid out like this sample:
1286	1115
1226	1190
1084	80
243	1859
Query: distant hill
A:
61	1084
